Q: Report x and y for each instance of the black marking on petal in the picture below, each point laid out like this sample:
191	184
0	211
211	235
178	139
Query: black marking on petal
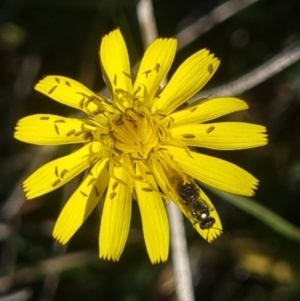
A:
162	149
210	68
148	173
88	136
70	133
81	103
115	80
63	172
82	94
94	160
68	84
87	102
210	129
147	189
157	67
56	182
52	90
140	178
147	72
115	185
120	122
160	131
83	193
112	195
56	129
141	115
78	133
97	112
59	121
96	191
91	181
157	93
126	74
87	122
188	136
45	118
137	90
193	109
57	80
56	171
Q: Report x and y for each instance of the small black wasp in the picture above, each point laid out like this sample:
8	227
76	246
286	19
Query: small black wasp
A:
189	194
196	205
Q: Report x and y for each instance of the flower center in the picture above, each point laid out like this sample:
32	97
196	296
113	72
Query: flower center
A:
135	133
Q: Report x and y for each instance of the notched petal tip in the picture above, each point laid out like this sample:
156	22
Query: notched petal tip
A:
116	215
68	92
154	217
59	239
81	203
158	260
109	257
205	110
221	135
115	64
188	79
215	172
154	66
48	129
56	173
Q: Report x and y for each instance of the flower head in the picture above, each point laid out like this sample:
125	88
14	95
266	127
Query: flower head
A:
136	146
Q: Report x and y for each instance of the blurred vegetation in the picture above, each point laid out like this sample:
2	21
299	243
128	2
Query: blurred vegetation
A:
250	261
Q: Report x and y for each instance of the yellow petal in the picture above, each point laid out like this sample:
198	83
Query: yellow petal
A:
116	216
215	172
208	110
164	179
222	135
155	65
154	219
71	93
116	68
60	171
46	129
159	171
189	78
82	202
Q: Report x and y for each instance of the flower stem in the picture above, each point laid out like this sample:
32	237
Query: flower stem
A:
181	264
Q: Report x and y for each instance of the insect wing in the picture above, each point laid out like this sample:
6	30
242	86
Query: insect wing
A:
216	229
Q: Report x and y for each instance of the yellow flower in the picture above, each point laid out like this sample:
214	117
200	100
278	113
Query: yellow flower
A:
136	145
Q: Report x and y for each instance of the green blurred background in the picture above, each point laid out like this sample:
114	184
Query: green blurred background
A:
250	261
